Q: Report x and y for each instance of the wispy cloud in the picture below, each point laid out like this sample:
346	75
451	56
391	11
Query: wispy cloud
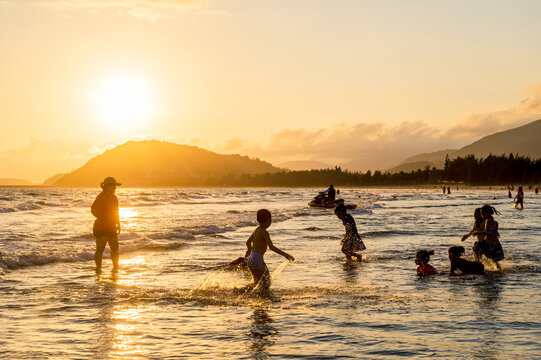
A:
142	9
482	124
374	145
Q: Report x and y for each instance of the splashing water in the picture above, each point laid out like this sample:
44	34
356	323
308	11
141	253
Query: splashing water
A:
278	270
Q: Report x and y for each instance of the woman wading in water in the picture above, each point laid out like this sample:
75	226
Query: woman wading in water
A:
107	224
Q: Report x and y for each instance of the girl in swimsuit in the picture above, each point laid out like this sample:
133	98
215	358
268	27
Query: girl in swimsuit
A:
422	258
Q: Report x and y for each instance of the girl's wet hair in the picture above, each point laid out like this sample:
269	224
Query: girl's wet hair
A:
340	208
456	250
478	222
489	209
424	255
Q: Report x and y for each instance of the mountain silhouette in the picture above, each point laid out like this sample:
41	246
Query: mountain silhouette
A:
159	163
524	140
14	182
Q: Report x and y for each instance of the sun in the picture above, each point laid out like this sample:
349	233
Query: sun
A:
123	102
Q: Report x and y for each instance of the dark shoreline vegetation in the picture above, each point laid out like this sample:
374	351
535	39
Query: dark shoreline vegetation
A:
493	170
490	171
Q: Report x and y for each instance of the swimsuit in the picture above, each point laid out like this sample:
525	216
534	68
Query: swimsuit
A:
426	269
256	261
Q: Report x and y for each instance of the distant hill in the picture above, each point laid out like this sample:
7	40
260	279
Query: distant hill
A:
50	181
303	165
159	163
364	164
17	182
524	140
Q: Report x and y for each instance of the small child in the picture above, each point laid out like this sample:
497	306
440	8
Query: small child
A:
422	258
352	241
465	266
257	246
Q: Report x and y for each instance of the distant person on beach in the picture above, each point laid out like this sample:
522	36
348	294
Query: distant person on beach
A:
478	227
519	199
464	266
331	193
422	258
257	246
352	241
444	188
107	224
489	245
448	190
509	192
536	190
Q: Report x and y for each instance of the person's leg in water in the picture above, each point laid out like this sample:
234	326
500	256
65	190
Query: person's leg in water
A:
100	246
476	251
113	244
261	278
346	249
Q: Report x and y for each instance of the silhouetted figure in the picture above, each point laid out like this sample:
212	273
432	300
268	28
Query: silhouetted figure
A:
352	241
536	190
331	193
449	190
444	188
257	245
519	199
509	194
107	225
464	266
489	245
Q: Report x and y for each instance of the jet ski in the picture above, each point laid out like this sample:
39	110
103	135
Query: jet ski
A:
322	201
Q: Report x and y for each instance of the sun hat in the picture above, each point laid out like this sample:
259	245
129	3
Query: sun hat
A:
110	181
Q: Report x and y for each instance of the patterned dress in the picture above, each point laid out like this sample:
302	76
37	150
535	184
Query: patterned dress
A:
352	241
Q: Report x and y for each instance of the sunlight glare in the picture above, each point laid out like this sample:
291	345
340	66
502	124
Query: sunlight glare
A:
123	102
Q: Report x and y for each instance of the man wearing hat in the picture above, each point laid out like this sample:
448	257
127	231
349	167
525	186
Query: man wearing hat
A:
107	224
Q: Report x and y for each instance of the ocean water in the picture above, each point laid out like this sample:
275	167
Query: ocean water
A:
171	299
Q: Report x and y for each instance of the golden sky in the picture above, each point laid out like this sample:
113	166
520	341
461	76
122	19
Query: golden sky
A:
257	77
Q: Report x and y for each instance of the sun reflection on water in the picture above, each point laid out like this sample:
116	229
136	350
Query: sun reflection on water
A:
128	341
128	216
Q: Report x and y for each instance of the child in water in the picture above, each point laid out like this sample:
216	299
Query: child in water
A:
477	227
257	246
422	258
465	266
489	243
352	241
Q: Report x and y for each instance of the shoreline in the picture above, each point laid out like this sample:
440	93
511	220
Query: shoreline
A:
405	187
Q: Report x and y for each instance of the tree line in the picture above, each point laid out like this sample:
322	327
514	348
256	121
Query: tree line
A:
492	170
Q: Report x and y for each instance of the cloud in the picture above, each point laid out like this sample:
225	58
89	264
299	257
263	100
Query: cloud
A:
142	9
370	145
482	124
374	145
